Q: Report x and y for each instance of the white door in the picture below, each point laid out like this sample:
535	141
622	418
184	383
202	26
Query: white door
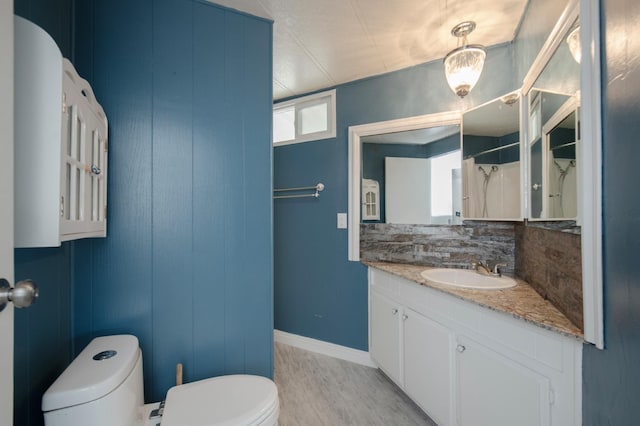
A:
6	209
407	195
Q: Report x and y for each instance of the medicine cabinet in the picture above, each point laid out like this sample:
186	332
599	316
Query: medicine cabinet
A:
60	146
491	160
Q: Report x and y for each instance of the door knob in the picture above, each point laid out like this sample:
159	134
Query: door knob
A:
22	295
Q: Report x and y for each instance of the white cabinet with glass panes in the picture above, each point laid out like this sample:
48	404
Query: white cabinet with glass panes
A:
370	199
60	149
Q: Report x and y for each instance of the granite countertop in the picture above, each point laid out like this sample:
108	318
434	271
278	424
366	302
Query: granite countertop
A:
521	301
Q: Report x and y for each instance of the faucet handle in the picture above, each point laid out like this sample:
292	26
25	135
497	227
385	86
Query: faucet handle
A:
497	266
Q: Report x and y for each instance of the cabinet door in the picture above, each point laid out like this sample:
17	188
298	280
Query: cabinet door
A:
494	390
73	182
84	165
427	365
384	345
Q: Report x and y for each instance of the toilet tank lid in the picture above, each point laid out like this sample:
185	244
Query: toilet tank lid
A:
100	368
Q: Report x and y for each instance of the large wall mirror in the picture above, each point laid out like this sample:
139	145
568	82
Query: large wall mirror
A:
491	166
412	177
404	171
563	140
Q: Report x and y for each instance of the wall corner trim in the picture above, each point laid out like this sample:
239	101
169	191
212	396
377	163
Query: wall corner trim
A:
324	348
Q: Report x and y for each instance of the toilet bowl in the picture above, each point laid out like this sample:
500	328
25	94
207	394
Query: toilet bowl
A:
103	387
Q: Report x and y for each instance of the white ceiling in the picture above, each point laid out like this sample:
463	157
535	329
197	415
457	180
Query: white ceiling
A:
322	43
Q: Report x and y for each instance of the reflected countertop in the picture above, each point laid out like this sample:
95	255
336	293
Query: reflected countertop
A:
521	301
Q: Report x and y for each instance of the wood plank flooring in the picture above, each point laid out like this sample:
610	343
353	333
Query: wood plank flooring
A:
318	390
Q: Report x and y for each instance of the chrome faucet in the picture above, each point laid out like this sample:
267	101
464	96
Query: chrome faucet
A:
496	269
482	268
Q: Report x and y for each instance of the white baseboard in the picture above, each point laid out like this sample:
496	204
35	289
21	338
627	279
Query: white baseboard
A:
325	348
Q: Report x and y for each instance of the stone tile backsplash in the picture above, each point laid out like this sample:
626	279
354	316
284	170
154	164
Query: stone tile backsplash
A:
439	245
548	259
551	262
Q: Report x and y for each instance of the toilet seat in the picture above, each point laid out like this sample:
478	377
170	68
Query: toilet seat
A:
223	401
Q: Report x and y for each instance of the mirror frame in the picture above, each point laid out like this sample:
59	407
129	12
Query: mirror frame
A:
590	201
355	161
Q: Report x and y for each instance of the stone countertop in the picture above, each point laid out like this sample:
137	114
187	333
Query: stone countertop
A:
521	301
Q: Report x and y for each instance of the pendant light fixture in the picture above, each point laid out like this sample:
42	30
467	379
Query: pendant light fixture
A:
573	40
463	65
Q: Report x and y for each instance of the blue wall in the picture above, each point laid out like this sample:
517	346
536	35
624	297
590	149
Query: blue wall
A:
187	264
318	292
42	332
54	16
611	385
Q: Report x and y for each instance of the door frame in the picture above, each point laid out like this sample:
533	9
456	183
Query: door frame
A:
6	201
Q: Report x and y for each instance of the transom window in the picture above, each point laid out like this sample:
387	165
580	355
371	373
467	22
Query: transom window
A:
305	119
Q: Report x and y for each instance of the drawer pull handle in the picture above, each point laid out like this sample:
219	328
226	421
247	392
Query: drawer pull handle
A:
394	311
461	348
404	317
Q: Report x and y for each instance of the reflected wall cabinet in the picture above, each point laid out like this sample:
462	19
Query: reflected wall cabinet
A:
466	365
60	146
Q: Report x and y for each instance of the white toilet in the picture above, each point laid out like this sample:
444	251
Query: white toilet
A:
103	387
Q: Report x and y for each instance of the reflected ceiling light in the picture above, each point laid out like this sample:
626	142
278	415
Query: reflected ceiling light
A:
510	99
573	40
463	65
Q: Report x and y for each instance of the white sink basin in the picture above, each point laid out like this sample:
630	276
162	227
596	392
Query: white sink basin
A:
467	278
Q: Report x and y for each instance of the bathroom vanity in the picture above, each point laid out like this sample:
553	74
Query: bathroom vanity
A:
474	357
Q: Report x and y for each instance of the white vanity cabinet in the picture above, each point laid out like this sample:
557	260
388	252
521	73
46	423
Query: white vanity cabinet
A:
466	365
60	146
413	350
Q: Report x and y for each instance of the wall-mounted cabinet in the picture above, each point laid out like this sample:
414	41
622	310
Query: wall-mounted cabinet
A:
466	365
492	160
60	146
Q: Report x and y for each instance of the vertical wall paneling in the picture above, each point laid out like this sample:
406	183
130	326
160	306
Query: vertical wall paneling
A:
172	191
187	263
55	17
41	330
209	171
113	276
257	260
234	193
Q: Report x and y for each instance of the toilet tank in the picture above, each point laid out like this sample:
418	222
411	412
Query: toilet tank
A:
102	386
